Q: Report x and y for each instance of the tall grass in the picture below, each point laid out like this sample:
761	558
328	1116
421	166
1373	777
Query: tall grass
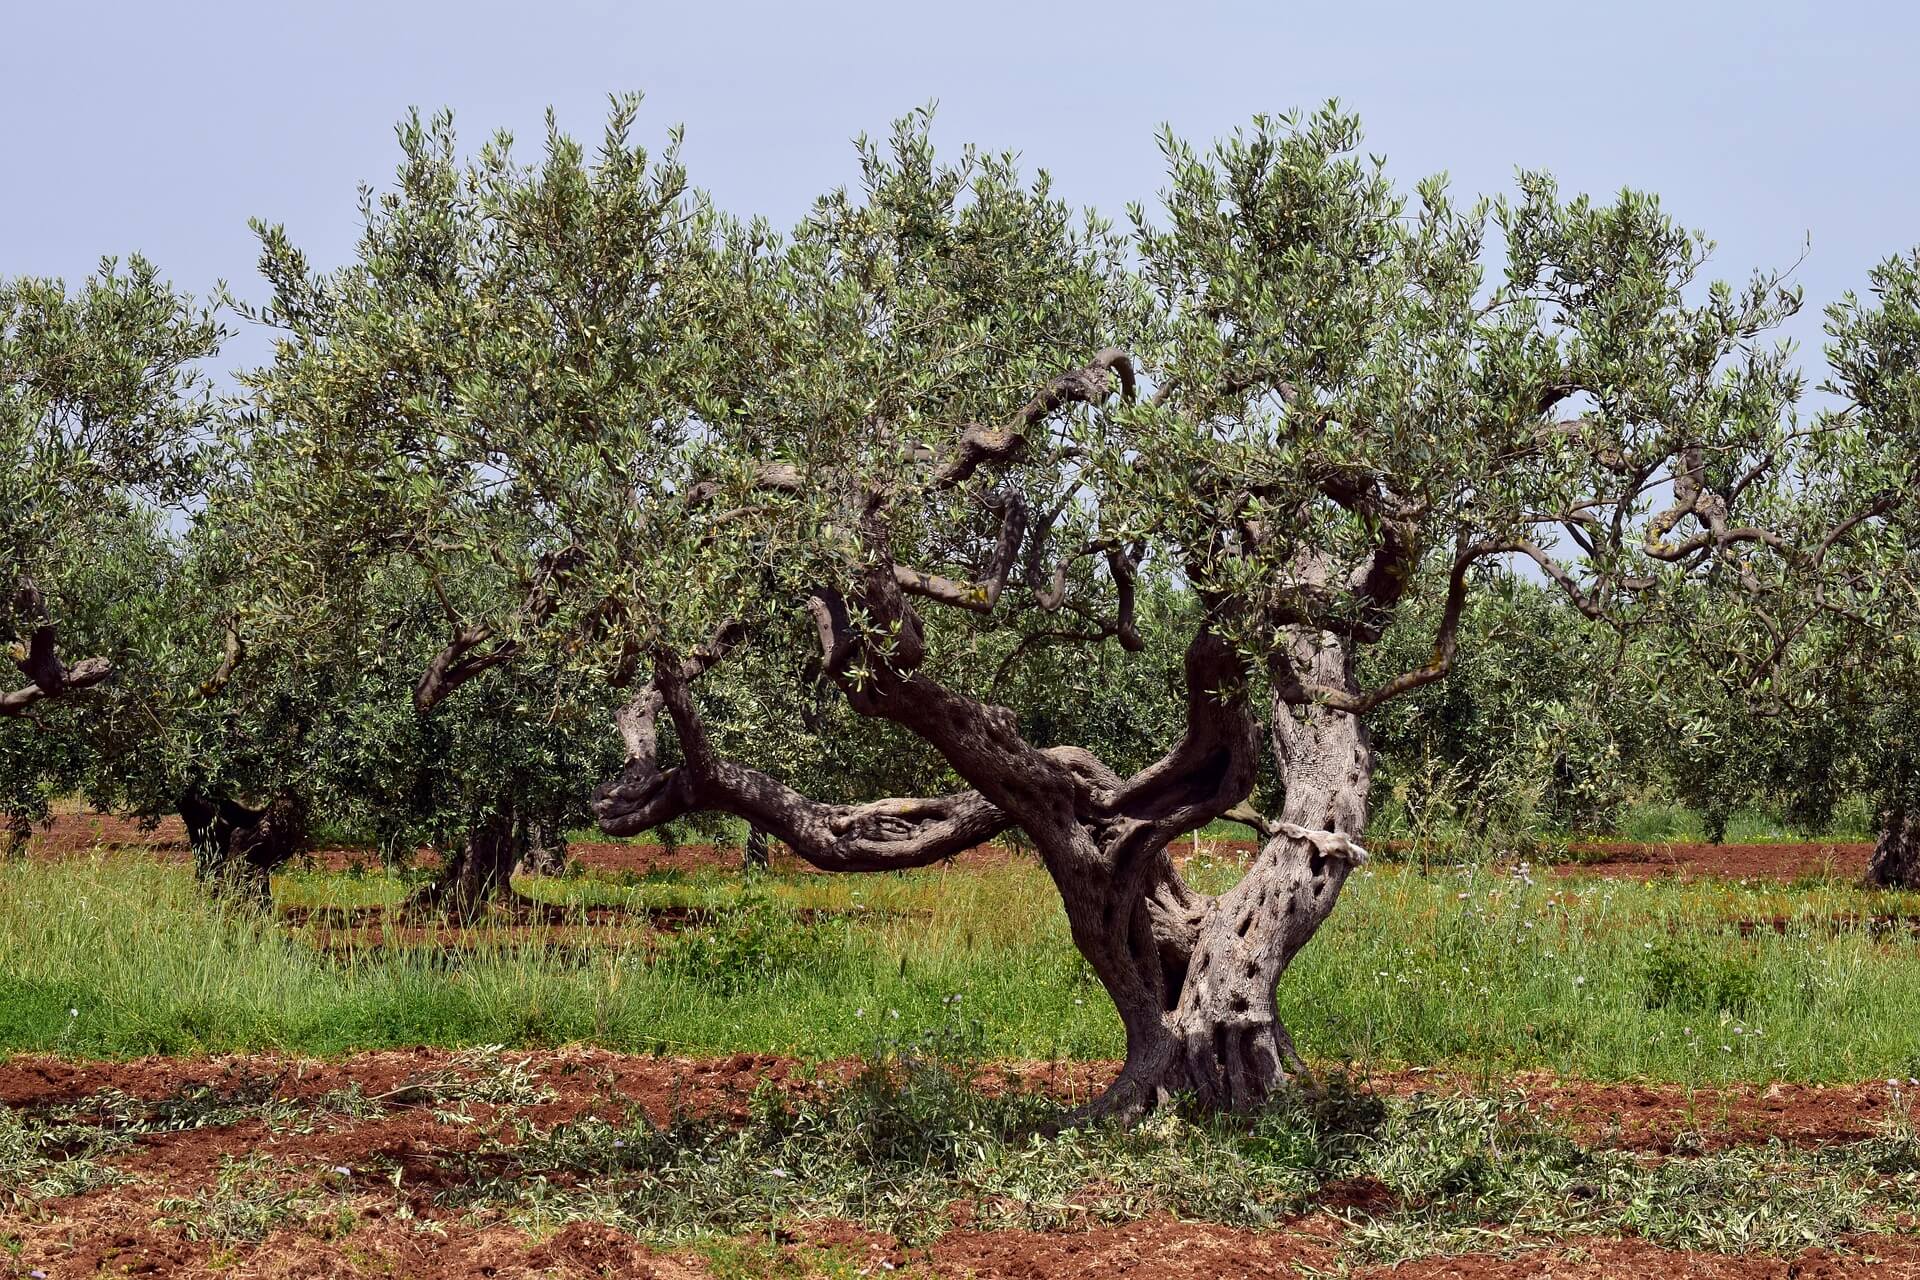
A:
1467	966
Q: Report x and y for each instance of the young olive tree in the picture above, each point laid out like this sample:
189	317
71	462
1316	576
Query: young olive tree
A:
949	425
1856	656
1817	699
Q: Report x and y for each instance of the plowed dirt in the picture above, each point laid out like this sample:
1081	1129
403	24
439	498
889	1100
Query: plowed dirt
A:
382	1172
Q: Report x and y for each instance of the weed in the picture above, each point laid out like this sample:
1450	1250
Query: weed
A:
750	944
248	1201
1453	965
1692	976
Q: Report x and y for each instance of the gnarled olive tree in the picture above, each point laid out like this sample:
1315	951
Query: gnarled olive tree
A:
949	423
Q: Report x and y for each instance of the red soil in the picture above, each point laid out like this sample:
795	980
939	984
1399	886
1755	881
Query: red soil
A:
396	1161
1726	861
1658	1118
76	834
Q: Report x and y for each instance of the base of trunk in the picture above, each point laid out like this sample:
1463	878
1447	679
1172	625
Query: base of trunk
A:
1896	855
546	851
755	857
236	848
479	870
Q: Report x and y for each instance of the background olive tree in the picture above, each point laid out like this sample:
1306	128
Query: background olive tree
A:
104	413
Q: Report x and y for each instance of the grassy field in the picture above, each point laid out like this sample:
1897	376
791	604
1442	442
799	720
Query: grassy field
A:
1470	967
516	1149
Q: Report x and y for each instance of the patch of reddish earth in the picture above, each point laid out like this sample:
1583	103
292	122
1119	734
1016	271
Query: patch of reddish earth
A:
1720	861
77	833
397	1228
1658	1118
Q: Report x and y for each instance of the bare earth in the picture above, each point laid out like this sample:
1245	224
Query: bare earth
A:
77	834
395	1225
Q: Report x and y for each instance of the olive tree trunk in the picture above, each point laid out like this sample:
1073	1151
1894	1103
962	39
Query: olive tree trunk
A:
755	856
1209	1028
1896	854
546	850
481	868
236	848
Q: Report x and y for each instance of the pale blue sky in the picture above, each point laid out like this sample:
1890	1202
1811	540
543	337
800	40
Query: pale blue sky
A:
163	127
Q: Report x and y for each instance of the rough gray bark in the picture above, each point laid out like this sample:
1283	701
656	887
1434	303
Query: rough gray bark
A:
237	848
1222	1042
1896	854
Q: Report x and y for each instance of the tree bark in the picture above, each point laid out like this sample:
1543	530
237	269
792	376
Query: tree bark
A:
481	868
1896	854
1219	1039
236	848
546	850
755	857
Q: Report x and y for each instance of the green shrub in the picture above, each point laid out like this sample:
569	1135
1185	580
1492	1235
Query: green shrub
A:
1689	975
752	944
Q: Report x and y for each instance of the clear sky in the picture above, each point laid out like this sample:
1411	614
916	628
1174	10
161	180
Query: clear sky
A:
161	127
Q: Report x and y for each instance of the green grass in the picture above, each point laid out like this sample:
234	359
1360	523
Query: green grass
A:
1468	967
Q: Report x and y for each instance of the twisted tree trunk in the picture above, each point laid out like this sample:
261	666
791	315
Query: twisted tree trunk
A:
1212	1031
1193	978
236	848
1896	854
481	868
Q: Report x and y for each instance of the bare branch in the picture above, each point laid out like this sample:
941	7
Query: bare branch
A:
979	445
40	661
979	596
885	835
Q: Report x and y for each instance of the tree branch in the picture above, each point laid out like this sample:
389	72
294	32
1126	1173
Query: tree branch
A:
979	445
40	661
456	663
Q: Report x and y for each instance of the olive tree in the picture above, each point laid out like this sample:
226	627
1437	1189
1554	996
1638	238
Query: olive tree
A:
949	423
1846	669
103	416
1873	353
1809	691
389	504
